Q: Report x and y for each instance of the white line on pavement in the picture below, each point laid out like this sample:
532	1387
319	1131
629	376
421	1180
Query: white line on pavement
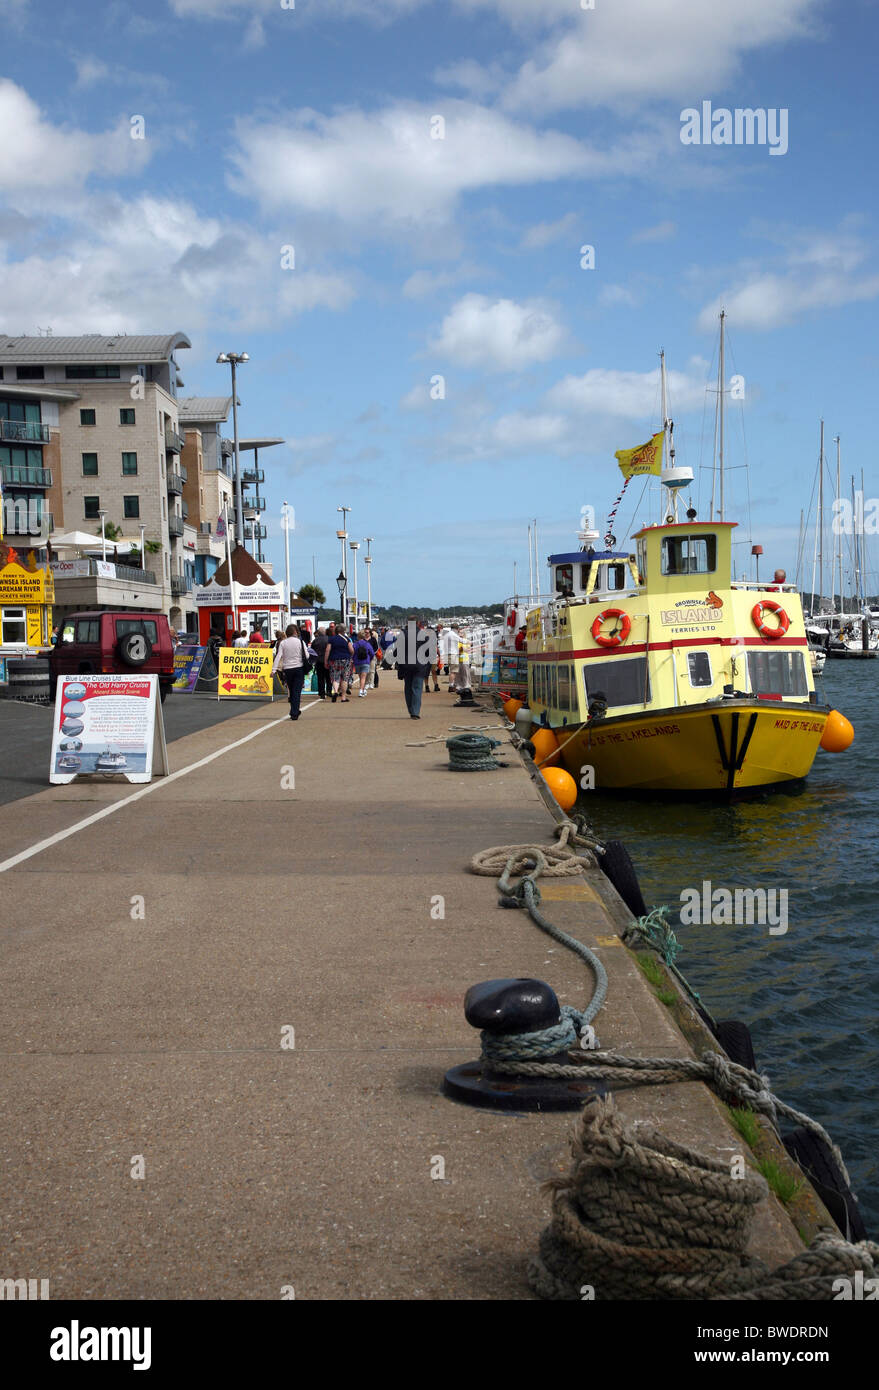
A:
135	796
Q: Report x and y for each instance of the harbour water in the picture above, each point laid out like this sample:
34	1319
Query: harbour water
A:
809	995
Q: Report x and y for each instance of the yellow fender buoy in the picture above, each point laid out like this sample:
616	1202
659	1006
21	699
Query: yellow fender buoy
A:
545	744
838	733
511	708
562	786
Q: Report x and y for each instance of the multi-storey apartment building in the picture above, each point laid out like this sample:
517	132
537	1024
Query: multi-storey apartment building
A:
30	458
118	443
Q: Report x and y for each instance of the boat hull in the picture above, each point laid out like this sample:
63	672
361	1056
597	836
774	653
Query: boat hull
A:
712	748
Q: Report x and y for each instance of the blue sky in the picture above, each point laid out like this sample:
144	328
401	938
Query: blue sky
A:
415	257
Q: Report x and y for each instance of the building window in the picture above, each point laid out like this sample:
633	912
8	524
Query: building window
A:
89	465
14	629
97	373
91	507
126	417
129	463
87	417
29	373
131	506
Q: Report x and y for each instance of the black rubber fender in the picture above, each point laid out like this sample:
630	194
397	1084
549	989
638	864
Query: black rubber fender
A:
735	1039
526	746
815	1158
617	866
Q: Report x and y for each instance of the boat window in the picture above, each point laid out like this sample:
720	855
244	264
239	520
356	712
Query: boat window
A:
584	576
564	578
777	673
699	664
14	629
617	682
689	554
88	630
616	577
564	687
145	625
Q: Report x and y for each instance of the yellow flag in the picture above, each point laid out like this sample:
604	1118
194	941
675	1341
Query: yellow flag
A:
647	458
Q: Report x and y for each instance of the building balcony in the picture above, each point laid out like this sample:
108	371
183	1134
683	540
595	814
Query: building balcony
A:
184	508
254	504
175	525
23	432
175	482
253	475
252	530
174	442
20	475
180	585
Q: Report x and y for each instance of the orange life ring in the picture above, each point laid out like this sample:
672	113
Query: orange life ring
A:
614	639
771	634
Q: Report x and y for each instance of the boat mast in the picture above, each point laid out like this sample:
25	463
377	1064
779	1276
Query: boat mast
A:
664	408
721	382
857	556
839	532
530	566
821	520
536	560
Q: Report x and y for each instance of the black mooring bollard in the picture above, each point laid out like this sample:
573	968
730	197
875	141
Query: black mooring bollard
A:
503	1008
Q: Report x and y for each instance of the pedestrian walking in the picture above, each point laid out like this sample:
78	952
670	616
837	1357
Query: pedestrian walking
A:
364	655
339	658
412	653
319	645
292	660
239	640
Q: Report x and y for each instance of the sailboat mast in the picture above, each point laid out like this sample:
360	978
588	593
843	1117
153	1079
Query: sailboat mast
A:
821	519
664	408
857	548
839	531
530	566
721	382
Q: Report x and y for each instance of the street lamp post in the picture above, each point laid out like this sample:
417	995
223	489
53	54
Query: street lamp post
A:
233	358
285	522
355	546
342	582
367	560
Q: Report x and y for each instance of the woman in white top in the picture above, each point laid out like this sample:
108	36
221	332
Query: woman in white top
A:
291	659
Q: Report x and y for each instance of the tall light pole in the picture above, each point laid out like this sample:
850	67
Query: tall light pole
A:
286	519
355	546
368	563
233	358
343	536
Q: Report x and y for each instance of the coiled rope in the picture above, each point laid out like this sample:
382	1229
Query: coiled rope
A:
641	1217
529	862
472	753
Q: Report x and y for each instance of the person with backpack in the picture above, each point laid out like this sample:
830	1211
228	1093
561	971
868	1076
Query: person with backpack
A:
338	658
292	660
320	642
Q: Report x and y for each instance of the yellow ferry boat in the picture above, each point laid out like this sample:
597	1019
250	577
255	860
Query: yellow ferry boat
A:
657	672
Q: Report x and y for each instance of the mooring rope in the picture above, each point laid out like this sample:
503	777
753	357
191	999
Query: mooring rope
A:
528	862
472	752
642	1217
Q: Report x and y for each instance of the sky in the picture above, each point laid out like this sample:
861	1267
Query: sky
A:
385	203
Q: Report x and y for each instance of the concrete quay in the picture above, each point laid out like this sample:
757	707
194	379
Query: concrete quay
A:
156	959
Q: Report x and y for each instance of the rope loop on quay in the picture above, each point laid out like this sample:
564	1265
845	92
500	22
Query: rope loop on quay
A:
472	752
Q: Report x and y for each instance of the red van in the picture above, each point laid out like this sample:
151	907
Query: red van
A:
112	644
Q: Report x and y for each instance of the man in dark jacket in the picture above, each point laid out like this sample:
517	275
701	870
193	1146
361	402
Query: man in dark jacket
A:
414	659
319	647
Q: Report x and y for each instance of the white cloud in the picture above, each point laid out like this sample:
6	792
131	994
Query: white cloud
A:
38	155
627	395
422	284
544	233
499	334
662	231
383	165
613	295
821	270
123	265
418	398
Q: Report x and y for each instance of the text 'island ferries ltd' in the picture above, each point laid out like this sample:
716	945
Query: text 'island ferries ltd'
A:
661	674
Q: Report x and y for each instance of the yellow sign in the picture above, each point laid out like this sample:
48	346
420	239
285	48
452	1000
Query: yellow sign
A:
646	458
18	585
34	627
245	671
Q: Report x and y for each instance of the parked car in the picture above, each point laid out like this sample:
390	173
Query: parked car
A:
114	644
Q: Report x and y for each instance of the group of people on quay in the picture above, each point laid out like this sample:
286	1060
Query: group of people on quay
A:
345	657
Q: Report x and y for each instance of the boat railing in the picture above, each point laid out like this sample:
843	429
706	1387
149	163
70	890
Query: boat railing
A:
764	586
